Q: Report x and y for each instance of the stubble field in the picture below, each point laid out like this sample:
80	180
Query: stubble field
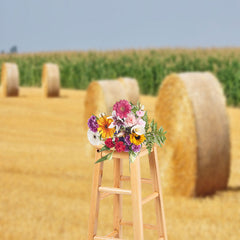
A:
46	172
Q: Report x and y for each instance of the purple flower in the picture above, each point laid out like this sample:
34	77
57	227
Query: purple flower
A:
92	123
126	148
136	148
127	140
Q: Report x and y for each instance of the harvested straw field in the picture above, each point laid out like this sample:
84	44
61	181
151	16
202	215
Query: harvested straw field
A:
45	177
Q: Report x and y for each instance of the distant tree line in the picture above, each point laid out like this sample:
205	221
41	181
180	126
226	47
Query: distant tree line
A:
13	49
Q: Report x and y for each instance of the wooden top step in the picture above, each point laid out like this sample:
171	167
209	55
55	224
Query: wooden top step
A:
123	155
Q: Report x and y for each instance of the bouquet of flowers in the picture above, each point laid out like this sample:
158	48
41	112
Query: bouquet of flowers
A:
126	130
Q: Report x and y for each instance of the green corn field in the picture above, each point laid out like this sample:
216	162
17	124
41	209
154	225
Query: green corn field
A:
149	67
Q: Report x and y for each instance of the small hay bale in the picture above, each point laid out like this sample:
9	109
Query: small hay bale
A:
196	158
51	80
131	87
10	79
101	96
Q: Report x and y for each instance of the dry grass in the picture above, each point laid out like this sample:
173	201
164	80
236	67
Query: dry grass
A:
191	108
51	80
132	88
9	79
45	177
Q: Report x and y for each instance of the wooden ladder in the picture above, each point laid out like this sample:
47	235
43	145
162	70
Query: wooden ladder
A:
99	192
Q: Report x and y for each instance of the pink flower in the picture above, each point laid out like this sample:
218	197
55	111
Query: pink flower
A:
122	108
141	122
140	113
130	120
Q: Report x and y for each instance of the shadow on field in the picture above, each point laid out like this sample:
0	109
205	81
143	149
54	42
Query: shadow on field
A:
23	95
233	189
63	96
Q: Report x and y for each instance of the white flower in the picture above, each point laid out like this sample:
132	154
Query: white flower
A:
117	121
120	134
101	115
138	129
140	113
130	120
94	138
112	125
141	122
142	107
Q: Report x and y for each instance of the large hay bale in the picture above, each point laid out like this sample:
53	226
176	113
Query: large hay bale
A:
51	80
131	87
10	79
196	158
101	96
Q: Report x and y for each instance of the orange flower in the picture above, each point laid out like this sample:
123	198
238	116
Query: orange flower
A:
104	129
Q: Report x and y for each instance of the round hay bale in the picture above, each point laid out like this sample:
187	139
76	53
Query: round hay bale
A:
101	96
51	80
131	87
196	158
10	79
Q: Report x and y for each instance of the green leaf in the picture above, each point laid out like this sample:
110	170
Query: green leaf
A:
145	118
104	148
149	147
132	156
152	125
107	157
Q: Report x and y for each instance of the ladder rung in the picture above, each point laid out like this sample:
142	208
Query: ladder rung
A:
106	238
147	226
112	234
150	197
115	190
143	180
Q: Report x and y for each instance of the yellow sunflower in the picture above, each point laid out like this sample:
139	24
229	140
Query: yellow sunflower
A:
137	139
103	129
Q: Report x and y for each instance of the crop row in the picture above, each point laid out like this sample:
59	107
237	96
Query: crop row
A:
149	67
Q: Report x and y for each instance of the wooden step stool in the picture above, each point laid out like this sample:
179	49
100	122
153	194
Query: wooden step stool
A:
99	192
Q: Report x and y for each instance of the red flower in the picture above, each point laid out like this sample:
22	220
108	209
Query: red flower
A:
120	147
109	143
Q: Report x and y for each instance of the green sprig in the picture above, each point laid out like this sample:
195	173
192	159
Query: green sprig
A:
106	157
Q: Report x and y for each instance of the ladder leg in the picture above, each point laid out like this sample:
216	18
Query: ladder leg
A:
136	200
117	201
95	197
153	162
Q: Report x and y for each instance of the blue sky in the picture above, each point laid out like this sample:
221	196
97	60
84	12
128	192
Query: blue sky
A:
51	25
